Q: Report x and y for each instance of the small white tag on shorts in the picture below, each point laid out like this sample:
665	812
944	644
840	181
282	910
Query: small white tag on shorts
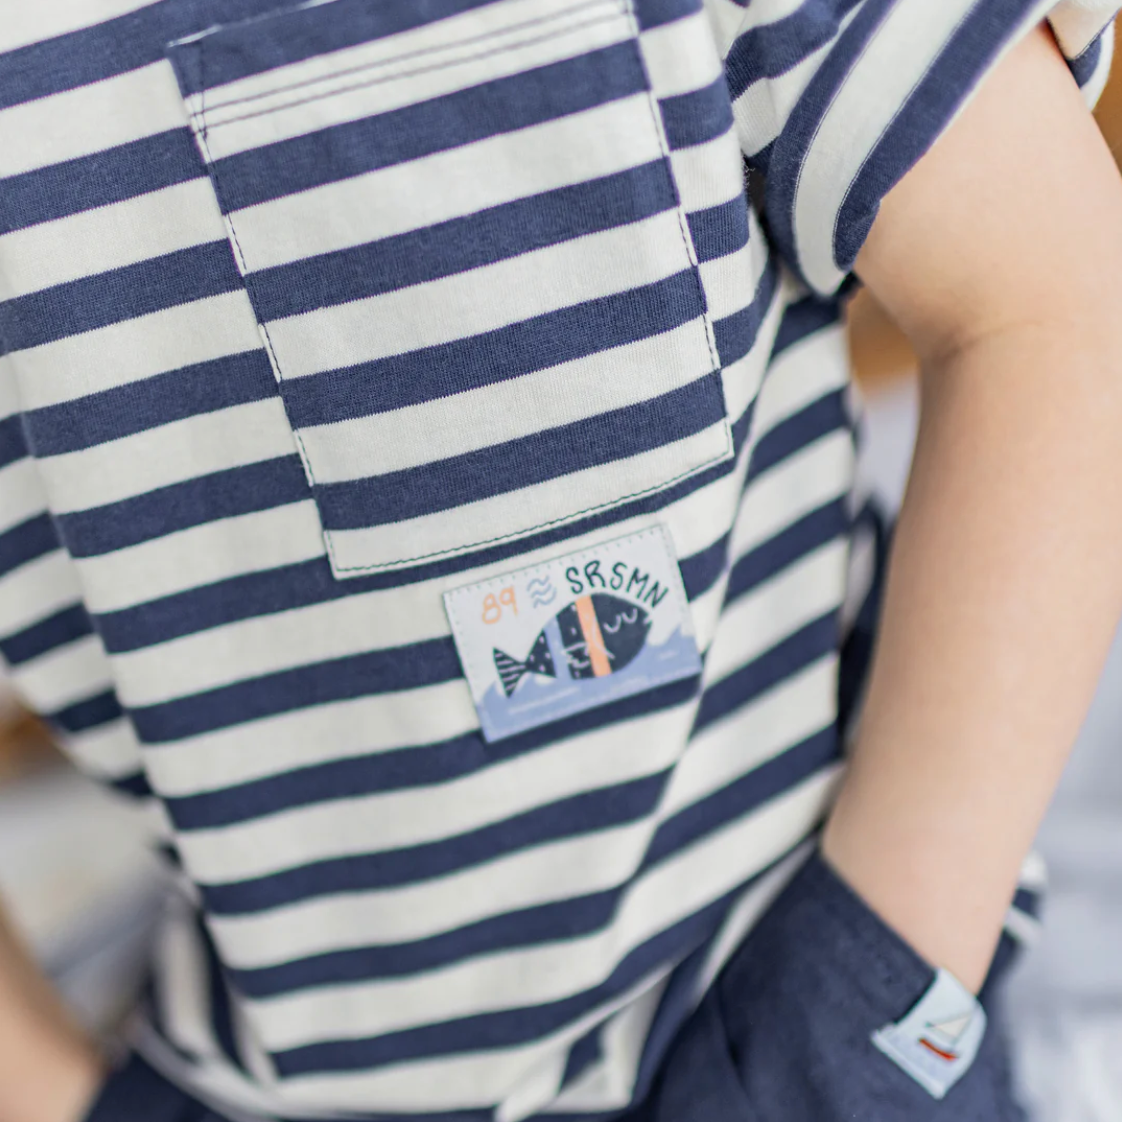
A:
574	633
937	1041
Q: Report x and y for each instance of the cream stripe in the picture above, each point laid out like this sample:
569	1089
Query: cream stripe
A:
517	513
667	893
449	184
139	348
109	237
213	551
177	452
507	409
89	119
484	299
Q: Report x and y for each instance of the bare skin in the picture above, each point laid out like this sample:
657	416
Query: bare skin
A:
49	1071
1000	255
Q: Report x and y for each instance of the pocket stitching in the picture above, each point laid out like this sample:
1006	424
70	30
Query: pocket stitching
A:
407	73
727	453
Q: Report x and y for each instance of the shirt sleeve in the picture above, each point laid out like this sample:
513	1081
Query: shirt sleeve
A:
835	100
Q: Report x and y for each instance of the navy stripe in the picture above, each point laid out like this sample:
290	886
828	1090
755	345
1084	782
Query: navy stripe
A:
475	240
509	1028
816	640
239	50
655	13
744	795
1084	65
190	391
825	524
760	163
516	464
648	504
701	570
353	777
246	596
771	49
89	713
13	446
919	122
790	149
119	294
220	1018
359	675
697	117
135	785
582	1055
826	415
500	106
494	356
363	872
402	768
64	626
803	319
26	542
113	47
857	647
1028	900
736	333
719	230
87	182
205	498
526	927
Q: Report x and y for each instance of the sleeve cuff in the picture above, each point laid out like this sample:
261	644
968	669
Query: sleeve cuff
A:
895	78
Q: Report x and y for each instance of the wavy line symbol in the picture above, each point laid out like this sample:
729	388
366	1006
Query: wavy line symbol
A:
541	591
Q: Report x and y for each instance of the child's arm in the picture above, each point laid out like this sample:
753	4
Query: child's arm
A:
1001	256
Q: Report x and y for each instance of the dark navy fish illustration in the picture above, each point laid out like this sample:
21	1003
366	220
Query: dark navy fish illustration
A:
599	634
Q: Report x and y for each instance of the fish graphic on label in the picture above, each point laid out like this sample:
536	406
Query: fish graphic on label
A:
600	634
578	631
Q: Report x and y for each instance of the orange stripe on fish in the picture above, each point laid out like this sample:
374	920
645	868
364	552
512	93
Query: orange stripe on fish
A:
590	628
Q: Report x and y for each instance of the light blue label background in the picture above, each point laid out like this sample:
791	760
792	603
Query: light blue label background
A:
945	1000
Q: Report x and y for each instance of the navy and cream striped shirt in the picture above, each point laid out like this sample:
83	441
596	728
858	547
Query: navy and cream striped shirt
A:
313	314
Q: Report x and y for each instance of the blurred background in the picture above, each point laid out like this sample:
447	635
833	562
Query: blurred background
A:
78	882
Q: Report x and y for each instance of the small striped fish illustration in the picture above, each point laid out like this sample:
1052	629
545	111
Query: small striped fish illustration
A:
600	634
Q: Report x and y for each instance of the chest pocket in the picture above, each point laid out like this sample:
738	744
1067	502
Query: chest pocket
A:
465	248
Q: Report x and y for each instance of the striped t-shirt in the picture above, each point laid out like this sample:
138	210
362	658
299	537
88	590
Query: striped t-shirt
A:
333	335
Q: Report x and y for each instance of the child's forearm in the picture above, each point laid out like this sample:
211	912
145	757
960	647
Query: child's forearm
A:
1004	590
48	1070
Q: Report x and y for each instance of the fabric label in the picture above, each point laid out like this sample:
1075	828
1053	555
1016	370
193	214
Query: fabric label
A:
555	639
937	1041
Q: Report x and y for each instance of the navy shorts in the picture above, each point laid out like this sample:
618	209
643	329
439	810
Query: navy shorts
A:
784	1035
